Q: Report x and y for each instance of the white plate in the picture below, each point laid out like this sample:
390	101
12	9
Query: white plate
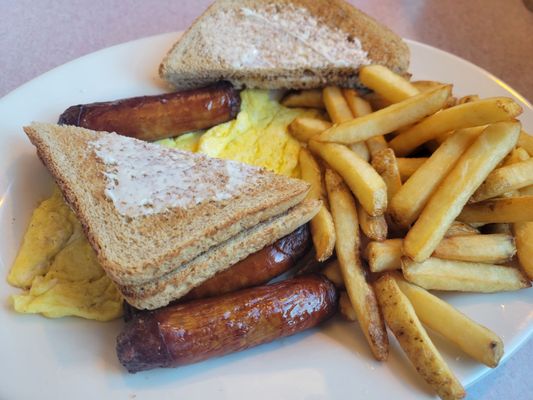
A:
73	358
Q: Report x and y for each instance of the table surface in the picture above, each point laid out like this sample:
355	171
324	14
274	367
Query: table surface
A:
497	35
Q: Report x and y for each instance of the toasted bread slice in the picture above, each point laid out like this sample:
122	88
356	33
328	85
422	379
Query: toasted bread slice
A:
146	209
281	44
179	282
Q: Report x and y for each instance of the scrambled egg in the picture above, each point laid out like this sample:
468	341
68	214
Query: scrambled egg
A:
59	267
258	136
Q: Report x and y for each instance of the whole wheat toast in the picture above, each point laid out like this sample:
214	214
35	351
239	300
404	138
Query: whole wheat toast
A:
177	283
281	44
147	240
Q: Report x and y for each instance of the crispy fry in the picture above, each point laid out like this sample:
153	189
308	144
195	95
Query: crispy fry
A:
360	292
358	106
389	118
469	172
460	229
374	228
512	209
524	243
384	162
466	115
305	98
385	255
386	83
408	166
346	309
495	248
439	274
474	339
322	229
414	340
505	179
363	180
526	142
304	128
333	273
336	105
409	201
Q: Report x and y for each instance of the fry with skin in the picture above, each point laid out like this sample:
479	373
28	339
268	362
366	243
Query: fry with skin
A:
402	320
388	119
322	229
408	166
384	162
386	83
305	128
385	255
361	294
524	243
374	228
474	339
466	115
505	179
512	209
462	276
332	271
363	180
305	98
460	229
489	148
406	206
526	142
495	248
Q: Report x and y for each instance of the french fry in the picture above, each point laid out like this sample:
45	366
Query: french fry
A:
505	179
460	229
402	320
527	191
385	255
345	308
305	98
333	273
361	150
322	229
466	115
490	147
347	245
474	339
526	142
516	155
462	276
358	106
468	99
384	162
363	180
376	144
336	105
406	206
495	248
305	128
408	166
524	243
424	86
389	118
374	228
512	209
386	83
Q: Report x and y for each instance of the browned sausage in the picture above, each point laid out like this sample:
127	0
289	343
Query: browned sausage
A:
257	268
158	117
186	333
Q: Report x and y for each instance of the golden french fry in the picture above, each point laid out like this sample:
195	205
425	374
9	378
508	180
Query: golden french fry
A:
322	229
474	339
462	276
406	206
386	83
495	248
304	128
345	308
333	273
515	156
511	209
363	180
385	255
505	179
361	150
424	86
408	166
490	147
347	245
358	106
526	142
376	144
336	105
402	320
305	98
524	243
389	118
461	229
374	228
466	115
384	162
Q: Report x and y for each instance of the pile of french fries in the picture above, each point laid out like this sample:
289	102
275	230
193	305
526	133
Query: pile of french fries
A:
420	191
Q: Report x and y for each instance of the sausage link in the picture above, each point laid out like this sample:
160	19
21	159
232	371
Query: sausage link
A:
186	333
161	116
